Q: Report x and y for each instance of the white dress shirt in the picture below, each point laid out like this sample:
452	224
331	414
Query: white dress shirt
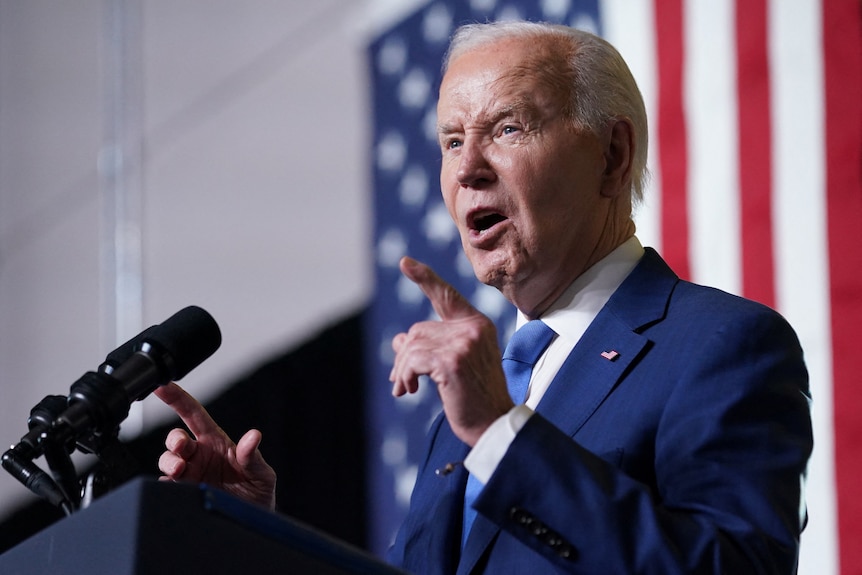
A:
569	317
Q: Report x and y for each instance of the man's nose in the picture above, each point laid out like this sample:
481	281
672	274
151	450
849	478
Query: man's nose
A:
474	168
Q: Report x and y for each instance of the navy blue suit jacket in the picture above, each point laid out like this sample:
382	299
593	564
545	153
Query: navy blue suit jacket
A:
685	454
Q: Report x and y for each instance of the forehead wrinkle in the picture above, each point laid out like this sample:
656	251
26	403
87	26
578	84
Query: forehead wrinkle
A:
518	81
493	113
543	83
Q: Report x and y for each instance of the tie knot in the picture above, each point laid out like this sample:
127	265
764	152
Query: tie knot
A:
529	341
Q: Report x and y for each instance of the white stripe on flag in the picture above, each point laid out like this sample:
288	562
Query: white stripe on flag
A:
801	251
711	121
630	26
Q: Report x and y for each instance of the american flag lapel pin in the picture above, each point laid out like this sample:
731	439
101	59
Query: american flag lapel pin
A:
610	355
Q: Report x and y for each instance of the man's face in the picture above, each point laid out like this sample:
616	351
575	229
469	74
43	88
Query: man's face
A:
522	184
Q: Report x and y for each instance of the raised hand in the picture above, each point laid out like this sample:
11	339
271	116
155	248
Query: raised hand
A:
211	456
459	352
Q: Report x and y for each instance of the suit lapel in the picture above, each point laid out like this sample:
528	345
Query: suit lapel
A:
481	537
446	531
434	522
610	346
591	371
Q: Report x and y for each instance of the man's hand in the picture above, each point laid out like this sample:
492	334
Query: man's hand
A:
210	456
460	353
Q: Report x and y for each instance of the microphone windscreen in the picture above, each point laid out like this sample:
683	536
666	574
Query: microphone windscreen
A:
188	337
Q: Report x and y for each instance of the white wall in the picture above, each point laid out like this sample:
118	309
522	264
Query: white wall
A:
244	128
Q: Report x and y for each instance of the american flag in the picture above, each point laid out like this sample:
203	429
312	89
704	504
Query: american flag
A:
756	160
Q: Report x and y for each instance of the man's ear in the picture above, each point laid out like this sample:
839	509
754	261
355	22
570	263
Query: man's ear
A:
619	152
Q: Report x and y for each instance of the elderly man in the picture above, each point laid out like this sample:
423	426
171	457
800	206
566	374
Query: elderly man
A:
638	423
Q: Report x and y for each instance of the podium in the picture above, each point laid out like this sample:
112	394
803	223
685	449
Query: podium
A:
150	527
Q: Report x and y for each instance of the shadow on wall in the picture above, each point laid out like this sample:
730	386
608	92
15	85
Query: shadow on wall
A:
309	405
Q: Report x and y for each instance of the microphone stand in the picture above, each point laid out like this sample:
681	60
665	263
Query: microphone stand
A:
57	456
57	426
61	490
116	465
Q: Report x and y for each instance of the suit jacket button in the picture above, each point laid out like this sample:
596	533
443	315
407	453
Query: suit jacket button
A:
520	516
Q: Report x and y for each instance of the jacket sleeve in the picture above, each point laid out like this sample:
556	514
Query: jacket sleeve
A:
731	442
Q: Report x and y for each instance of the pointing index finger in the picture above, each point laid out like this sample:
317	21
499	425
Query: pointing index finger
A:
445	299
188	408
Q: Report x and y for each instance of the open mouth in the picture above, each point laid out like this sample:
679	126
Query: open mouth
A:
483	222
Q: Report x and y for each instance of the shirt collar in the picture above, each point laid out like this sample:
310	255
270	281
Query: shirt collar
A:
590	291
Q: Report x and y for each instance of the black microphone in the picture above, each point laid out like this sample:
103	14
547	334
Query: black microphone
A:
100	400
125	351
43	415
160	354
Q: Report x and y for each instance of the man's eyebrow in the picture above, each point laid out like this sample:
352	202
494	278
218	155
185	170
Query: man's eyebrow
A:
518	107
446	129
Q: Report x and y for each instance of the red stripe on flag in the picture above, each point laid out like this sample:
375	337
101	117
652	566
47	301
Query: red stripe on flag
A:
755	151
842	50
670	128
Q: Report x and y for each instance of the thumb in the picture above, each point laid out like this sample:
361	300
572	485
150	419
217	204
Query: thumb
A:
445	299
246	449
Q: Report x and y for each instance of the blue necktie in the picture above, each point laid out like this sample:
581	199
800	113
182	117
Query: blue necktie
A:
524	349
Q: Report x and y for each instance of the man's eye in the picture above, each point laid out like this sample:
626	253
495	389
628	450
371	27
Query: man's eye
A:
509	130
452	144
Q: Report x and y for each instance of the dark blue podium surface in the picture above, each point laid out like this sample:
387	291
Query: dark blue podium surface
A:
154	527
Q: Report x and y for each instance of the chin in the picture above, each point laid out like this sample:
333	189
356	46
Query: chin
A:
505	265
487	274
494	274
